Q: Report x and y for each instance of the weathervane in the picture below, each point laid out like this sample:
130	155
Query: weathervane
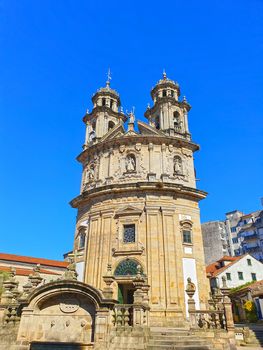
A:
164	74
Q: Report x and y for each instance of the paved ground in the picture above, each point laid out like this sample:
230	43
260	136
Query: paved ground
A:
249	348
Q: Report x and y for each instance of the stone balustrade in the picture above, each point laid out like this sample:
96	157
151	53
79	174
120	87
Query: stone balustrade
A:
129	315
207	319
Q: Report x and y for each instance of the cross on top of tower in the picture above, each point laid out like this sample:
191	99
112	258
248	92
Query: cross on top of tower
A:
108	78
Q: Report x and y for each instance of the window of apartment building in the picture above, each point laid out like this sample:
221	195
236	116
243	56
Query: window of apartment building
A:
249	262
228	276
235	240
187	237
253	276
240	275
233	229
129	233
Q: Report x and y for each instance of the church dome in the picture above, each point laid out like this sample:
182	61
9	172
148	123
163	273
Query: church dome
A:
165	88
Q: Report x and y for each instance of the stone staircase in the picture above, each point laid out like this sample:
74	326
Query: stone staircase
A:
159	338
256	337
176	339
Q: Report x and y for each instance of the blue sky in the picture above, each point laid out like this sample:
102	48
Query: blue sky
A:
55	54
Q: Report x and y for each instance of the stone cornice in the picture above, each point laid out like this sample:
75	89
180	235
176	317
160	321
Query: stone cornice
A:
139	138
107	109
164	84
160	101
156	187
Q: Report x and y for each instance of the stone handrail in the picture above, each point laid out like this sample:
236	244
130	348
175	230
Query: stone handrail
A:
207	319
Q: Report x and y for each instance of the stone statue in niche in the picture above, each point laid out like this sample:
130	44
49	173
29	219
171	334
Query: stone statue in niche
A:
130	163
91	174
178	166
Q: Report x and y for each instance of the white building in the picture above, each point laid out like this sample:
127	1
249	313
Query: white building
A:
237	271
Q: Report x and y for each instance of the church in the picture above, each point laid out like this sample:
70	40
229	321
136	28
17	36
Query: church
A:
137	278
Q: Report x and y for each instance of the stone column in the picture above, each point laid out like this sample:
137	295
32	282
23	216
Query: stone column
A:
186	121
109	176
151	174
164	175
86	136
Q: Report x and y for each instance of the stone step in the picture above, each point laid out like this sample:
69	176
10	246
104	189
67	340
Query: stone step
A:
179	347
178	342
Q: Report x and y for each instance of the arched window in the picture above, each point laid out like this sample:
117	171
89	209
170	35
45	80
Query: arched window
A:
178	165
82	238
103	102
186	229
128	267
172	93
164	93
111	103
111	125
176	119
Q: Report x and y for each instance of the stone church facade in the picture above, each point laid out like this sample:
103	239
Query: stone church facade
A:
138	245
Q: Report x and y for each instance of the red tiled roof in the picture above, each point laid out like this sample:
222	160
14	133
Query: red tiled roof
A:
228	258
31	260
214	269
26	272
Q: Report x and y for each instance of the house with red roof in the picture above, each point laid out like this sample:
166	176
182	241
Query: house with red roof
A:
237	270
24	265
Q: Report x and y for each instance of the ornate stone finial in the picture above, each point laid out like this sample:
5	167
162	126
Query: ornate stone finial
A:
36	270
164	74
190	288
132	116
70	273
184	99
87	111
108	78
121	109
12	273
139	270
35	277
148	106
9	286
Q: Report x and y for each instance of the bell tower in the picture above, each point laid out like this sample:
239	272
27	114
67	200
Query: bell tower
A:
105	115
168	114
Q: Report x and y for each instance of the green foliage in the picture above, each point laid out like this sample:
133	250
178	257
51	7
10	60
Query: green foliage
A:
233	290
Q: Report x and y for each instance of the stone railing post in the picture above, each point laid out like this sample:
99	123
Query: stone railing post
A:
140	296
227	306
108	279
190	291
228	314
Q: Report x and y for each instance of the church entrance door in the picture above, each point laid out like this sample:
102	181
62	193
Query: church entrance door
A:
125	293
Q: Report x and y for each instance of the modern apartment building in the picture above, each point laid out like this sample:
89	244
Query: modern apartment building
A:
238	234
